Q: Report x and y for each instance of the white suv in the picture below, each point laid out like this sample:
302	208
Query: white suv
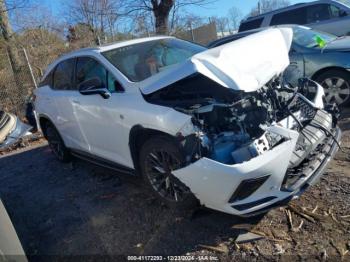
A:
210	125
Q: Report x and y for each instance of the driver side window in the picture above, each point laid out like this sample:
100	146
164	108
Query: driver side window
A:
88	69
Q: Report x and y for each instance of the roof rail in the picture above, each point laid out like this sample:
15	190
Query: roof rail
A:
278	9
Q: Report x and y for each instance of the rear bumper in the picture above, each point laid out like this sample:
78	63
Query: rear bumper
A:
215	184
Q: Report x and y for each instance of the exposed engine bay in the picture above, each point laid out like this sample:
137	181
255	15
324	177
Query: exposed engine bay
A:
250	141
230	126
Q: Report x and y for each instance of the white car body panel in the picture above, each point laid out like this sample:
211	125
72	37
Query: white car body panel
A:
97	119
106	123
207	178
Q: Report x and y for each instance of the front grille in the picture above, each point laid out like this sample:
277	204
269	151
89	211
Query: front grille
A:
300	104
310	136
296	175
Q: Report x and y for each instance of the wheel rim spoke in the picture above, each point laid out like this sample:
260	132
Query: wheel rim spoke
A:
338	99
336	90
159	166
339	82
329	82
344	91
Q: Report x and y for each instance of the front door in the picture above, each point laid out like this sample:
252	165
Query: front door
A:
100	119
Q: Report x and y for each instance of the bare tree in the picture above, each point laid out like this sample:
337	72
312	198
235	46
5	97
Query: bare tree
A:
184	24
142	26
161	10
234	16
221	24
8	36
99	16
10	45
268	5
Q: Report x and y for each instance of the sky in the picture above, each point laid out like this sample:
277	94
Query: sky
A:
221	7
218	8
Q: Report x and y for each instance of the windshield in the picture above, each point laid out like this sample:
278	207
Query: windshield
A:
346	2
140	61
311	38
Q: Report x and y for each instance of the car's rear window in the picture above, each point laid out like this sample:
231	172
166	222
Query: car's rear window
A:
295	16
251	24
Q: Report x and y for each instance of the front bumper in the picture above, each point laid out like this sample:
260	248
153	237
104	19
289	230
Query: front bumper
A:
215	184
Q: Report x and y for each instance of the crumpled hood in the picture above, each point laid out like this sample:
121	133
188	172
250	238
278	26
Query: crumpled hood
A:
246	64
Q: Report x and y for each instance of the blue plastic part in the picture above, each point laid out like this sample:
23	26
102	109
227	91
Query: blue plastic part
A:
225	145
222	152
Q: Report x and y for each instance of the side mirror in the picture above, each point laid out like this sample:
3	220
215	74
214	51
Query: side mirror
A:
118	87
94	86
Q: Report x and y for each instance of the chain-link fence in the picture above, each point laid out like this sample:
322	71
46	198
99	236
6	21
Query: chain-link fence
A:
16	86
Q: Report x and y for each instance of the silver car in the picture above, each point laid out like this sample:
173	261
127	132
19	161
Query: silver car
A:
325	15
320	56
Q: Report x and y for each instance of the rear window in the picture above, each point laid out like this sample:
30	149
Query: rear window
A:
47	81
296	16
63	75
317	13
251	24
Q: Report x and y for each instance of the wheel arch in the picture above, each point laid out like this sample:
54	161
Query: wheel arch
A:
43	120
138	135
318	73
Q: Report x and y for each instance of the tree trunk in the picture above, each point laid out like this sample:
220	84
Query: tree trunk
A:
161	13
161	24
7	33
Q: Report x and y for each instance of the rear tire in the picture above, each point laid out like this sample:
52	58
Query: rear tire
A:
336	84
56	143
159	156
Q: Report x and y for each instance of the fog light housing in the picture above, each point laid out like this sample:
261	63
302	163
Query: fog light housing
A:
247	187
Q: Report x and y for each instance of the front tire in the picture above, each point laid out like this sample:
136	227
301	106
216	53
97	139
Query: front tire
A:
56	143
336	84
159	156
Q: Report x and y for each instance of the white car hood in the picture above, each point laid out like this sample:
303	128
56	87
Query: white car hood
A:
246	64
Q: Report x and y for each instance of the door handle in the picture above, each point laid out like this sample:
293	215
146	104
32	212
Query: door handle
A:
76	102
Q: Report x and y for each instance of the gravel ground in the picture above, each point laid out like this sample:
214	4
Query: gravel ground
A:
80	209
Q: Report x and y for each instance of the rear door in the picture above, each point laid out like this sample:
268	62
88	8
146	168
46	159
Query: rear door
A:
64	94
45	103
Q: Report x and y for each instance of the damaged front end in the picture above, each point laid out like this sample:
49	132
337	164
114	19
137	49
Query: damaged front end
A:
248	150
